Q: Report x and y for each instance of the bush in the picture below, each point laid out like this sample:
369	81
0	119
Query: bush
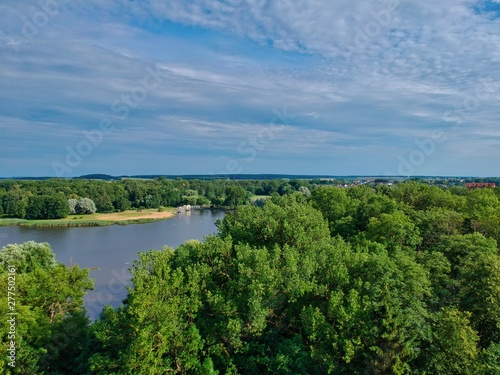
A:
85	206
72	205
162	209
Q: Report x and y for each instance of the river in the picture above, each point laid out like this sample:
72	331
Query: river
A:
113	248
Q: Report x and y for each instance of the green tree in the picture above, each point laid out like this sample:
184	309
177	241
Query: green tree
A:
453	348
235	196
444	287
160	310
338	208
285	188
422	196
375	321
393	230
475	281
121	203
272	293
396	280
282	221
490	360
435	223
47	207
27	256
371	206
15	202
51	326
481	203
104	203
479	293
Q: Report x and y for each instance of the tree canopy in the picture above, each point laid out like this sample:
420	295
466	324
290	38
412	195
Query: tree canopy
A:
286	289
401	280
51	323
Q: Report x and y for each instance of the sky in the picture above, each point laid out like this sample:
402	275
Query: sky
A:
124	87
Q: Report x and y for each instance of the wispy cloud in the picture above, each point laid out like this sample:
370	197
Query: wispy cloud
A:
364	79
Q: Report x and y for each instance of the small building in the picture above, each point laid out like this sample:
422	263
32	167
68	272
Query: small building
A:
477	185
187	207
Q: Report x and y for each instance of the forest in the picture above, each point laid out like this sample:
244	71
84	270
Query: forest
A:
47	199
401	279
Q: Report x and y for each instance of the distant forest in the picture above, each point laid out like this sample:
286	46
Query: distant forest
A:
401	279
25	198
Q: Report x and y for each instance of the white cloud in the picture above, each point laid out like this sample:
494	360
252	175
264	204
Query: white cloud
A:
363	76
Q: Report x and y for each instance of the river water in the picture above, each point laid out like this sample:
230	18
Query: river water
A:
114	248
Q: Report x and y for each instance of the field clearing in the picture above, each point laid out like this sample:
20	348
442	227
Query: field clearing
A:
151	213
97	219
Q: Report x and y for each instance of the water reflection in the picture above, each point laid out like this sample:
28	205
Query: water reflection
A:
113	249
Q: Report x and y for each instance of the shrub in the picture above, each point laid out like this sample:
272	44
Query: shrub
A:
72	205
85	206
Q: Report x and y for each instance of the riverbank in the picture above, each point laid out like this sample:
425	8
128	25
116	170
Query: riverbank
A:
97	219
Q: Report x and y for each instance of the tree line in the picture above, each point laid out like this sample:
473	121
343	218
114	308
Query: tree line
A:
393	280
48	199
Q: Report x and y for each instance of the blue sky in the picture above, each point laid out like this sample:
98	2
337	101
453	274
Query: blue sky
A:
390	87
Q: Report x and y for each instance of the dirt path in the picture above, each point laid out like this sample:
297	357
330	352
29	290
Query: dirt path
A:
135	215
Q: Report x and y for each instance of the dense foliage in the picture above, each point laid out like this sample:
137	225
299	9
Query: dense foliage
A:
23	198
47	207
401	280
51	323
84	206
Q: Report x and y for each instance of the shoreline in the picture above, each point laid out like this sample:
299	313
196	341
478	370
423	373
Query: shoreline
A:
94	220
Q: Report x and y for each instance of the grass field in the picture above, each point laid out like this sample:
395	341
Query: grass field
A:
97	219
